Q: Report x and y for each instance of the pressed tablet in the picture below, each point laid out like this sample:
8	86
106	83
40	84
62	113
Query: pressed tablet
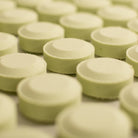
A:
11	20
8	44
129	102
24	132
8	114
52	11
133	25
6	5
113	41
80	25
93	121
63	55
104	77
134	4
15	67
42	97
30	3
123	2
91	5
132	58
32	37
117	15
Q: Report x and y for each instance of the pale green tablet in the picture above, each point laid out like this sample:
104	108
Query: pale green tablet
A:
11	20
8	113
135	4
123	2
43	97
63	55
113	41
32	37
80	25
30	3
132	58
15	67
103	78
117	15
92	5
52	11
129	102
92	120
8	44
24	132
6	5
133	25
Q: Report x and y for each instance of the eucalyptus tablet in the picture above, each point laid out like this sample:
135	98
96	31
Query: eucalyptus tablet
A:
80	25
8	113
93	121
6	5
43	97
24	132
63	55
104	77
52	11
133	25
117	15
8	44
11	20
129	101
123	2
15	67
91	5
113	41
32	37
132	58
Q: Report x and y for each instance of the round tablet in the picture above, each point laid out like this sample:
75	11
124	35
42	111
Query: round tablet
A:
129	101
117	15
93	121
8	44
123	2
63	55
104	77
133	25
15	67
6	5
32	37
43	97
24	132
91	5
8	113
11	20
134	4
30	3
113	41
80	25
132	58
52	11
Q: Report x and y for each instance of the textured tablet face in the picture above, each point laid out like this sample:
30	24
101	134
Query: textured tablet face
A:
133	25
86	121
63	55
104	77
48	94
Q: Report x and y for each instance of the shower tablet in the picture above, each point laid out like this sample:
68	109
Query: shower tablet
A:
133	25
113	41
123	2
11	20
132	58
80	25
91	5
92	120
15	67
8	44
6	5
43	97
52	11
103	78
32	37
117	15
8	113
129	101
24	132
63	55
